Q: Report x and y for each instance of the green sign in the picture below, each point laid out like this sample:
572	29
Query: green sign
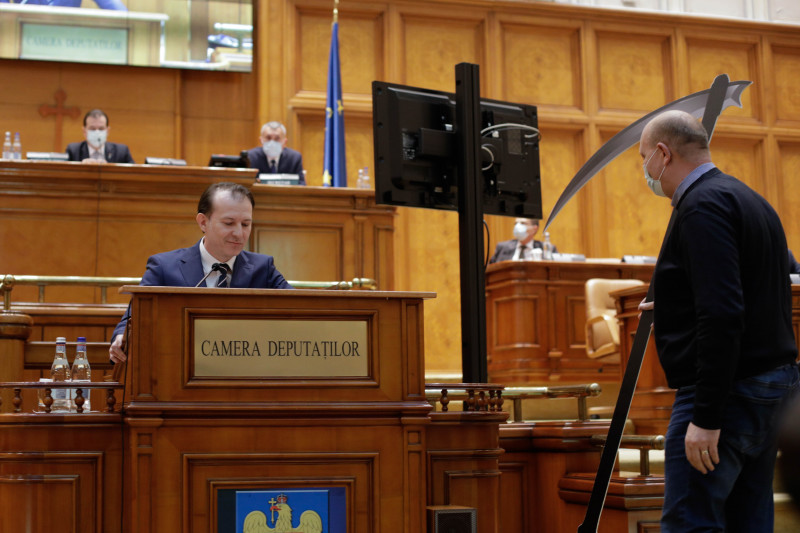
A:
74	43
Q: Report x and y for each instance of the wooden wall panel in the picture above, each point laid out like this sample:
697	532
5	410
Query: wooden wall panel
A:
628	203
541	63
789	192
785	73
737	56
742	158
634	70
562	152
434	44
360	49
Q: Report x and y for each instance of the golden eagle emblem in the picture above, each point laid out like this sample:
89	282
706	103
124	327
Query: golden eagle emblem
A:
256	521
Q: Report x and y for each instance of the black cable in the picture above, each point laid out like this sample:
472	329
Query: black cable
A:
487	247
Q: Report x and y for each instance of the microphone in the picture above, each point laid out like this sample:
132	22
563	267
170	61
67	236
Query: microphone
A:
216	267
225	270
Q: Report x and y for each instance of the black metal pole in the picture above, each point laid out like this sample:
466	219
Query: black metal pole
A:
470	225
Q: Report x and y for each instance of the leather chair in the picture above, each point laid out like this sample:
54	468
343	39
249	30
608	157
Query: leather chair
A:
602	328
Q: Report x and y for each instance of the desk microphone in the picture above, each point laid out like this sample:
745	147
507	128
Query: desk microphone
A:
216	267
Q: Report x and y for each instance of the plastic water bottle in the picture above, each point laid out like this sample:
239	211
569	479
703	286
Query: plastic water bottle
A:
16	147
363	176
547	247
360	180
81	371
7	153
59	372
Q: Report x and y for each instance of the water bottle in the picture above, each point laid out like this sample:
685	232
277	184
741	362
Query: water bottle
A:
16	147
364	178
81	371
7	153
59	372
360	180
547	247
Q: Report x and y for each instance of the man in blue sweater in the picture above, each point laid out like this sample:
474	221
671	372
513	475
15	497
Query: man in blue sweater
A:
722	326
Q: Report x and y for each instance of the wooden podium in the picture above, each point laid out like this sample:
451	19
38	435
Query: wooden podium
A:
535	317
237	390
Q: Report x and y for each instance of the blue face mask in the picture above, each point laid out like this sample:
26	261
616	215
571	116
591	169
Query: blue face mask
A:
654	184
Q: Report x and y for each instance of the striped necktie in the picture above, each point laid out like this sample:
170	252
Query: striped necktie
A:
223	280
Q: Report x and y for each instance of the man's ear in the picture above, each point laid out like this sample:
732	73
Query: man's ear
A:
202	221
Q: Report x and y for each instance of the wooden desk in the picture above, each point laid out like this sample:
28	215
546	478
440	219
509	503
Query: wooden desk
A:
106	220
535	317
183	437
652	401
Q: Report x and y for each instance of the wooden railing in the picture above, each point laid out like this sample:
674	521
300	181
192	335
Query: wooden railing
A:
491	397
8	281
643	443
47	387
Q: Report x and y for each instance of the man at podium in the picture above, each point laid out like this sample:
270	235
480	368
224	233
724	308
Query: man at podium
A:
96	149
225	216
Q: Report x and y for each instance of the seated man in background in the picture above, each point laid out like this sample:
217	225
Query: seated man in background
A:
225	216
96	149
522	245
273	157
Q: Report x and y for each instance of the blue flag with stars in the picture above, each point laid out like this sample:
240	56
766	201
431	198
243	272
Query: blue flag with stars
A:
334	164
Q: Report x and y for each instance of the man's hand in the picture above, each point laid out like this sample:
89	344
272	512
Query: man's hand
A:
115	352
90	161
701	448
645	306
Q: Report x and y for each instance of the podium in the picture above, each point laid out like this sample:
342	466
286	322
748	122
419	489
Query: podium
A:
535	317
271	394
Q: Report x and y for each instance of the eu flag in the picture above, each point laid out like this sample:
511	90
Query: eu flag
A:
334	164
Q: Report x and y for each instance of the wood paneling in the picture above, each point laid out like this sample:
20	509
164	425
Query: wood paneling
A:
633	69
541	62
591	72
737	56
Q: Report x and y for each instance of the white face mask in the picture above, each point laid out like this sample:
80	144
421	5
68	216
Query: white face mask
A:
520	231
96	138
654	184
272	149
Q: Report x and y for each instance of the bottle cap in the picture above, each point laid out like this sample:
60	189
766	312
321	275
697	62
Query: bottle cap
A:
61	340
81	339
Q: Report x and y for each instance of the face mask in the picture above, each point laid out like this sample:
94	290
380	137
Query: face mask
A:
272	149
520	231
654	184
96	137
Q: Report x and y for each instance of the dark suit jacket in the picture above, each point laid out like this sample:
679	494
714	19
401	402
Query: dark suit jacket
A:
291	162
505	250
115	152
184	268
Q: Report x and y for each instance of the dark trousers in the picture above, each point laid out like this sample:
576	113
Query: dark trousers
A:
737	495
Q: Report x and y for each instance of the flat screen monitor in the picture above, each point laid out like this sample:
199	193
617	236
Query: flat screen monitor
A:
416	154
191	34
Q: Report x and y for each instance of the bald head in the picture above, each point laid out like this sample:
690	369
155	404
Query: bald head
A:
683	134
672	145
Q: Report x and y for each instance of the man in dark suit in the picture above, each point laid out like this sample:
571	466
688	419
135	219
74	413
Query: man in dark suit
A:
225	216
96	149
722	315
523	243
273	157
